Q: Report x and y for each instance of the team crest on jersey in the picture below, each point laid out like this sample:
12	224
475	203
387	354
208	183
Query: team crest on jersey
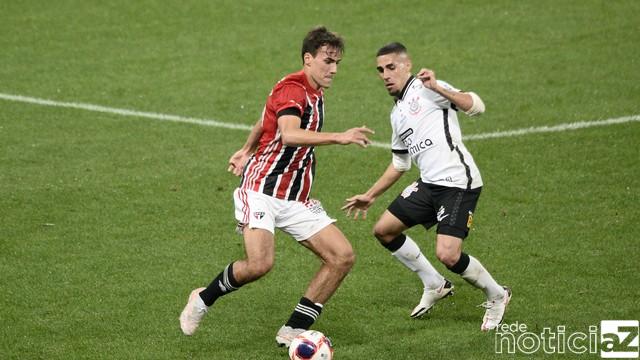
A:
409	190
314	206
414	105
258	215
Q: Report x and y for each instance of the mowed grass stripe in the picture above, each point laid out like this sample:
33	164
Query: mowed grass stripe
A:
235	126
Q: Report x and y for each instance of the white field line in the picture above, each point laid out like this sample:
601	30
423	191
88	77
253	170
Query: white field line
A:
124	112
234	126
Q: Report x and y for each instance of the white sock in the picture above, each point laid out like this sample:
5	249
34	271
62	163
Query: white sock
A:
410	255
478	276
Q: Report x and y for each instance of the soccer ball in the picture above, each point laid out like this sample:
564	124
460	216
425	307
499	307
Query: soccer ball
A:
311	345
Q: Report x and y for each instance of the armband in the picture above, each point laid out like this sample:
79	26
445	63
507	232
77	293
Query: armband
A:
477	106
401	162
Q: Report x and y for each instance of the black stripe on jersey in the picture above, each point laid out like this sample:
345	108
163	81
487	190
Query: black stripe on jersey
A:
297	181
467	170
447	134
289	111
454	107
400	151
320	114
306	117
313	173
293	193
272	179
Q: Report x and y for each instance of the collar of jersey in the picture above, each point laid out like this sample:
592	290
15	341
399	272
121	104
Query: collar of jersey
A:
307	85
405	89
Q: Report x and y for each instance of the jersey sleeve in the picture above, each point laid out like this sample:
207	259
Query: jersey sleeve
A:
440	100
397	146
290	99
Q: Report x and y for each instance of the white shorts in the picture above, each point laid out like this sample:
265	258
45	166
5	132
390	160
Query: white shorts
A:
298	219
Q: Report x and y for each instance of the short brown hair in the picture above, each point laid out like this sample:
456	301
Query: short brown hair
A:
319	37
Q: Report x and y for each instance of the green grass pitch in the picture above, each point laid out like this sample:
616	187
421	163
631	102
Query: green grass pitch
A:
107	222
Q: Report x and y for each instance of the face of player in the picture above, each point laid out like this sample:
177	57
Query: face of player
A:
395	71
323	67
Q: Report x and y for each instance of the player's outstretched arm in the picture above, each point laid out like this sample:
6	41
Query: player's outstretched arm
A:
239	159
361	203
292	135
469	102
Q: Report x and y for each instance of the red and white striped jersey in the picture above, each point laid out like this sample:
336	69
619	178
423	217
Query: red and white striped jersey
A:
285	172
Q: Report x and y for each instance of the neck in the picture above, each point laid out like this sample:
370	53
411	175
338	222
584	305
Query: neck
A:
404	87
311	81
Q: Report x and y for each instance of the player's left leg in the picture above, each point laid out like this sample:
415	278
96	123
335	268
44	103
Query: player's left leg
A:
455	216
337	256
449	252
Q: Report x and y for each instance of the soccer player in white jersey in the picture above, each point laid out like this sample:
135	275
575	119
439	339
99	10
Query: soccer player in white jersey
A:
277	165
426	131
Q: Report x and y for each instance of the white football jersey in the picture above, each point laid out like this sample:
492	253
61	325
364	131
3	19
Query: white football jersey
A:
425	125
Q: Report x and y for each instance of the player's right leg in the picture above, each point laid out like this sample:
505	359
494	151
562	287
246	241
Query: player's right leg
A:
389	232
254	211
260	250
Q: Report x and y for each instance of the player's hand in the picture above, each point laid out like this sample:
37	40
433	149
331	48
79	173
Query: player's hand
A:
358	204
428	78
356	136
237	161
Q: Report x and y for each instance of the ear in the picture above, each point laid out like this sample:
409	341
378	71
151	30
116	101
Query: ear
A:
307	58
408	64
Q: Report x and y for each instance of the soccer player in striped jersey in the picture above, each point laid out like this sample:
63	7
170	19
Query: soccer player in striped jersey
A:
425	130
277	165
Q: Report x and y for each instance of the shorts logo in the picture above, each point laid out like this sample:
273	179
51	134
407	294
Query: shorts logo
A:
470	220
258	215
409	190
441	215
314	206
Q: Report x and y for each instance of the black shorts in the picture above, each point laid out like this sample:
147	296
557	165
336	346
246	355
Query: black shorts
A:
427	204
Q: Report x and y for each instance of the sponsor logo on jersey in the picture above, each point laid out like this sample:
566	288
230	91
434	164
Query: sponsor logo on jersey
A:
409	190
420	146
404	137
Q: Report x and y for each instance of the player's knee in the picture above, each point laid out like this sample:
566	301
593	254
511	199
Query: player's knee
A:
258	268
448	257
383	234
343	261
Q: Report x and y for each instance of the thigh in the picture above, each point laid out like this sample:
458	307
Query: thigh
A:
388	226
455	210
414	206
329	243
259	245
